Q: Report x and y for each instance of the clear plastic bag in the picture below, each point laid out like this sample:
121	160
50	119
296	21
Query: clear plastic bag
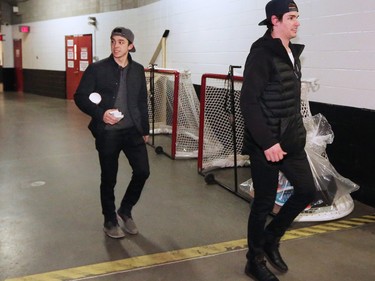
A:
329	183
327	180
318	133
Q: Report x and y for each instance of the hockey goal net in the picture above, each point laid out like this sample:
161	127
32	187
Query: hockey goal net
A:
173	113
216	148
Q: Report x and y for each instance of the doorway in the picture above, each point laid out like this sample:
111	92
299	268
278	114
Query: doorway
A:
17	53
78	56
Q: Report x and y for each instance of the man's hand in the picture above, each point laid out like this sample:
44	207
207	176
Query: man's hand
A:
274	153
109	118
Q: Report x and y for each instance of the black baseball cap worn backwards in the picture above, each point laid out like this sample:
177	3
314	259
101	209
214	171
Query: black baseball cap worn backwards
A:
126	33
278	7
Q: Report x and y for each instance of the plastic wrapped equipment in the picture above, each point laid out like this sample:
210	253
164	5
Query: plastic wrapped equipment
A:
328	182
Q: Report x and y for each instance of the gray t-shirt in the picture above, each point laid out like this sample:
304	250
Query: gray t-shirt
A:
121	104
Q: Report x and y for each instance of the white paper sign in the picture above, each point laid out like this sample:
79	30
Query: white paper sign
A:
83	64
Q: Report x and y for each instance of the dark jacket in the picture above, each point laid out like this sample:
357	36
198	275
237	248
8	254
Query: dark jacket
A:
271	95
103	77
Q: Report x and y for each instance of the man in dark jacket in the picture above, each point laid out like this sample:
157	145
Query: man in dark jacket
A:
275	136
113	92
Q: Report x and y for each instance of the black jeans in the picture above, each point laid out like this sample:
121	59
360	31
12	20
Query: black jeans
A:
109	146
265	180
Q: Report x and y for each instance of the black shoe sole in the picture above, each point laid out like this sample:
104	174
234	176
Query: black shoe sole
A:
250	275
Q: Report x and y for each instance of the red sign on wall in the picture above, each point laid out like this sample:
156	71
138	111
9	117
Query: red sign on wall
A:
24	28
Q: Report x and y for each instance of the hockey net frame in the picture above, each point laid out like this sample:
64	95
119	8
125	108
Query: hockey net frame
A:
215	148
173	108
211	159
221	123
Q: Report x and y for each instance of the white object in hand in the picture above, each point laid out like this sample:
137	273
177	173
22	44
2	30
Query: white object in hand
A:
95	98
117	114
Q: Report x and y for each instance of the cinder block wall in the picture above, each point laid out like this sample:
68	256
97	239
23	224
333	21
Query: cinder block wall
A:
208	36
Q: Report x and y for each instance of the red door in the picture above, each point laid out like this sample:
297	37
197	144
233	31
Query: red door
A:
78	55
17	51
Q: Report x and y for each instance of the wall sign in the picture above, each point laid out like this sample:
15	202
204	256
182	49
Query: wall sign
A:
24	28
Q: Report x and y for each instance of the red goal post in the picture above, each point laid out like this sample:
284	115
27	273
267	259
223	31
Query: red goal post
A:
173	112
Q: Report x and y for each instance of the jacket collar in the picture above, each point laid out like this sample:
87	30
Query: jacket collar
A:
130	59
275	45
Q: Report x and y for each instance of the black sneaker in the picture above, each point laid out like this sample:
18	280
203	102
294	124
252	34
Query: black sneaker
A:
113	230
273	256
257	270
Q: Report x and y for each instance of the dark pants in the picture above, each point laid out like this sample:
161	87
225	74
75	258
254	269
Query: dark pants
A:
109	145
265	175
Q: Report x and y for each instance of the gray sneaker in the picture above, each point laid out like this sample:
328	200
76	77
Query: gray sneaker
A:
113	230
129	224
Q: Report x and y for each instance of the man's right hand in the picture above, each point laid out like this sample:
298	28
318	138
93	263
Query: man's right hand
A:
109	118
274	153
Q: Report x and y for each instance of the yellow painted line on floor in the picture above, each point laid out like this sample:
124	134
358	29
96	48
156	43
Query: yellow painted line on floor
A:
318	229
364	220
134	263
328	227
353	223
300	233
339	225
372	217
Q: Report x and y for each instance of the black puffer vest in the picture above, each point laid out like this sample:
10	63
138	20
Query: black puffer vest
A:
281	100
281	103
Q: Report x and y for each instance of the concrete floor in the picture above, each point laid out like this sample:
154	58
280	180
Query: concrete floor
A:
51	222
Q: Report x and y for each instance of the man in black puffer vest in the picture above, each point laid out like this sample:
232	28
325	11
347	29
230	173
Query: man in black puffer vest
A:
274	136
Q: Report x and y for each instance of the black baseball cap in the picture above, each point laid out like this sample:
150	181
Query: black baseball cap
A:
278	7
126	33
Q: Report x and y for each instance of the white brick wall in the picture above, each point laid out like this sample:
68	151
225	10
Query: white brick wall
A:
340	52
208	36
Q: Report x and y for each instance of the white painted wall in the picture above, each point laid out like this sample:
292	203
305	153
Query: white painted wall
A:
208	36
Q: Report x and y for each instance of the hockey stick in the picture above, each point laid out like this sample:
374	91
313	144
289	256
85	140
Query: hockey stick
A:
161	46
